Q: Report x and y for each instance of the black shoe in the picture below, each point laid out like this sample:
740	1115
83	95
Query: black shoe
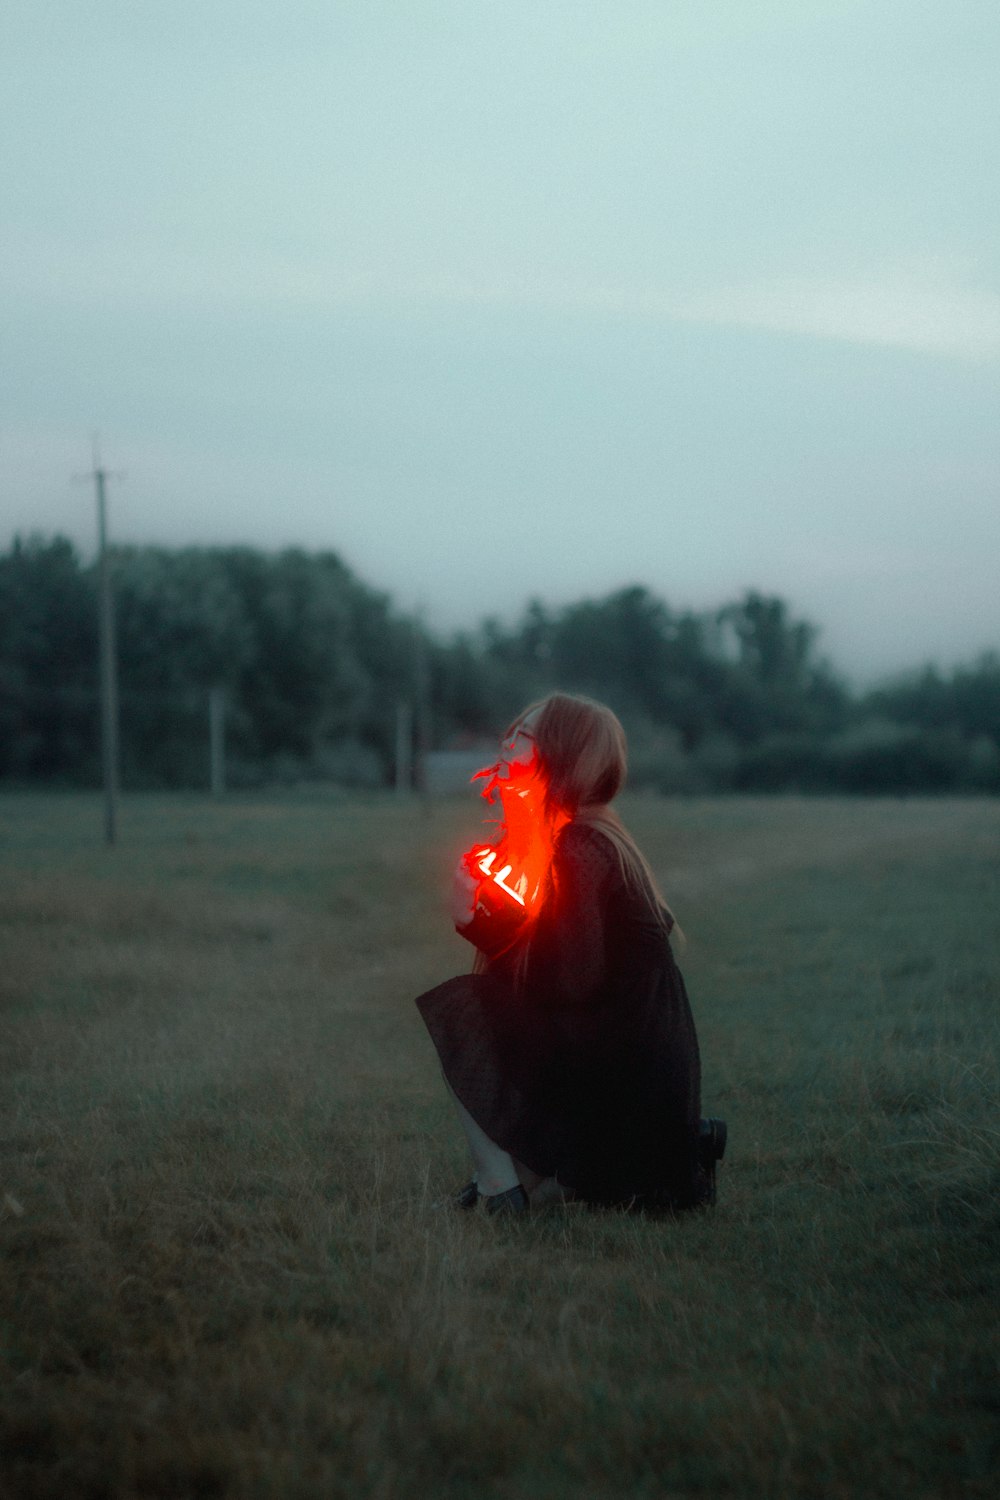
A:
712	1137
513	1201
468	1197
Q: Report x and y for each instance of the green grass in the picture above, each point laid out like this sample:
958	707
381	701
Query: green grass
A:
226	1266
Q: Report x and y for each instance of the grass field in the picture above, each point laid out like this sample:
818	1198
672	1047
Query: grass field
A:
226	1266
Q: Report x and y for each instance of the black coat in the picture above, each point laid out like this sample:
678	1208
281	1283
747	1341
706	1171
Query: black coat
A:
587	1069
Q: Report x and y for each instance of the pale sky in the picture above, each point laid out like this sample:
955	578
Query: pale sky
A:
520	299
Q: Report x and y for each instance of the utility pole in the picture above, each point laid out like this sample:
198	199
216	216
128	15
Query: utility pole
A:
108	664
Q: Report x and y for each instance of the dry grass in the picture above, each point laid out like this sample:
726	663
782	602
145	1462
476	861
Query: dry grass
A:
227	1270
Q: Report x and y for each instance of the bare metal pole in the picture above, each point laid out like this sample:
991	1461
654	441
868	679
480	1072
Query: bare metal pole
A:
108	660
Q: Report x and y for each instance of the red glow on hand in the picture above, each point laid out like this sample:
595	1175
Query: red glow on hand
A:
517	861
499	877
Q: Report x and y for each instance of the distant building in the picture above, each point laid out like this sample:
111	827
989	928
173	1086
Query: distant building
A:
449	772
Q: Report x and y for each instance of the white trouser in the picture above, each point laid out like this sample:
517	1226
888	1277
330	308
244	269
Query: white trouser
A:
495	1169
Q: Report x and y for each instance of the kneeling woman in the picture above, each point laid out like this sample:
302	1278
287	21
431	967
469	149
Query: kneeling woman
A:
571	1051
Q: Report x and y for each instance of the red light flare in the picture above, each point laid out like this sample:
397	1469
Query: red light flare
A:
517	859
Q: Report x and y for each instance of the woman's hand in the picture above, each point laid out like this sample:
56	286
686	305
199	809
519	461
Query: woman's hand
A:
463	894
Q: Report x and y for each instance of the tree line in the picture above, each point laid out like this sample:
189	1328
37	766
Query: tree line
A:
315	664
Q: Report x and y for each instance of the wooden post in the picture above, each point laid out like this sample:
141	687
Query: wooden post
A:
404	748
108	657
217	741
108	668
423	715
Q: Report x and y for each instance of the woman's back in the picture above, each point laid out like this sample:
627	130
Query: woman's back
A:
583	1059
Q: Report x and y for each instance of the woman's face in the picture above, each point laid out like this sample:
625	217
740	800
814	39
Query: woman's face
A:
518	753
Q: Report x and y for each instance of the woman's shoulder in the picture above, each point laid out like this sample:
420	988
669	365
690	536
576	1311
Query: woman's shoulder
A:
581	831
584	844
593	854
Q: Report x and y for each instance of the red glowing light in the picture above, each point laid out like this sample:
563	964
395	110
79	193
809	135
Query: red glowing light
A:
525	834
499	877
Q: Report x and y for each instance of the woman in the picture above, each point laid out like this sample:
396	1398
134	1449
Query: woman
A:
570	1052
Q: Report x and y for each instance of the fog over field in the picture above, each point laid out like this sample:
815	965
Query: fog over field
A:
521	300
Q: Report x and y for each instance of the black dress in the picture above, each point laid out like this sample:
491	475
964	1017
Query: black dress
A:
588	1068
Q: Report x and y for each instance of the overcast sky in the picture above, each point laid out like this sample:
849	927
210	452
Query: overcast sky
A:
503	300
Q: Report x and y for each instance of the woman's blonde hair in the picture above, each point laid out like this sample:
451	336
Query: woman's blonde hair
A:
584	760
